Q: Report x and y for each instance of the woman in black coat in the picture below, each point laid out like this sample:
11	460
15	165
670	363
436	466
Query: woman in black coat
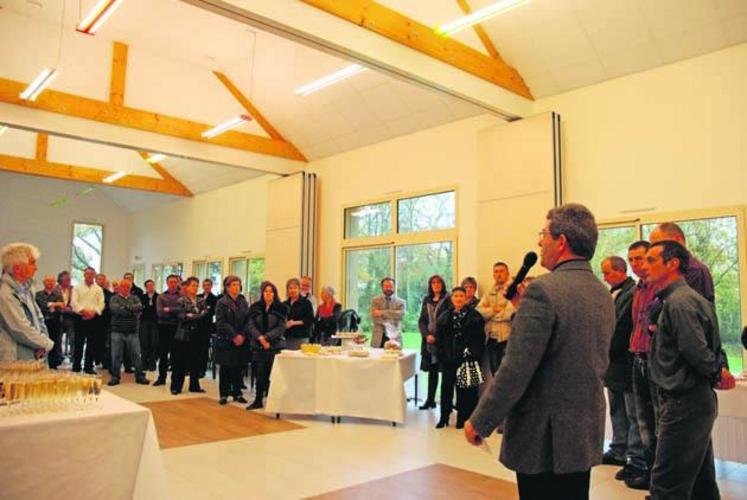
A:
327	316
186	346
231	342
434	303
267	320
300	316
460	335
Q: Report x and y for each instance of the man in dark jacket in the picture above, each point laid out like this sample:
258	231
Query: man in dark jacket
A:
125	309
167	308
626	447
51	305
135	290
684	364
549	386
207	328
149	326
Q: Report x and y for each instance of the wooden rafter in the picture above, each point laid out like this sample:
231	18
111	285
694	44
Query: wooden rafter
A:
163	172
401	29
481	34
41	167
119	74
252	110
115	112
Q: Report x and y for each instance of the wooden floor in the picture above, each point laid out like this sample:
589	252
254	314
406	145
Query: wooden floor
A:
185	422
436	481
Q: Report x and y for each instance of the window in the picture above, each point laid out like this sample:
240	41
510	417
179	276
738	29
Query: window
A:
251	271
212	269
162	271
138	273
426	213
421	244
88	241
613	241
368	220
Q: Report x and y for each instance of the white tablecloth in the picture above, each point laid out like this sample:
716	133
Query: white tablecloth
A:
370	387
730	430
109	450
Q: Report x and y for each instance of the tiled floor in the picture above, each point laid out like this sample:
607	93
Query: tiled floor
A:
324	457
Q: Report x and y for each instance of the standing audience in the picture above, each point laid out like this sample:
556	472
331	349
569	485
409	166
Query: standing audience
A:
497	312
207	328
149	326
23	334
51	305
167	308
88	305
267	320
308	292
125	310
231	339
460	337
186	347
67	332
300	316
470	285
327	317
387	312
435	302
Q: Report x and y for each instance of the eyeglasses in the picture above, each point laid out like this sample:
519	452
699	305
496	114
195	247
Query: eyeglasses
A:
542	233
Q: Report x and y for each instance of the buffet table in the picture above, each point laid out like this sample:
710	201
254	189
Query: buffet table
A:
339	385
106	450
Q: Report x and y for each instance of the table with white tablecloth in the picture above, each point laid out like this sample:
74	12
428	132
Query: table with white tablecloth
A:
340	385
108	449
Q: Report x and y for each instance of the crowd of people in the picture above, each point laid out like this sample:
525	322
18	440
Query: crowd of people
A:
547	352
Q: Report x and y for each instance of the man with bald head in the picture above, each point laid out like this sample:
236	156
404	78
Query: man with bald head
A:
698	276
51	305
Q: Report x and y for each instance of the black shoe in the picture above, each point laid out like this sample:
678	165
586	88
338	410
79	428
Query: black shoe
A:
129	370
91	372
243	385
160	381
175	392
609	459
199	389
629	471
441	424
239	399
459	424
142	381
114	381
222	401
257	405
428	405
641	482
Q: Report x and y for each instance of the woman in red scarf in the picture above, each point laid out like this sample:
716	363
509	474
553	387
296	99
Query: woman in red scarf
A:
327	315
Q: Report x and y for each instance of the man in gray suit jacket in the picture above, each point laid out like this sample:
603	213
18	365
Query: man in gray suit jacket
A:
549	387
387	311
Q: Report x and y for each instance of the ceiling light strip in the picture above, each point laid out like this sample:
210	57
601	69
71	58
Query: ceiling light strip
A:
330	79
114	177
97	16
479	16
3	128
224	127
155	157
41	81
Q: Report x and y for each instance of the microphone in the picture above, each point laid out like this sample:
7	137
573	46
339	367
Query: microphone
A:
529	260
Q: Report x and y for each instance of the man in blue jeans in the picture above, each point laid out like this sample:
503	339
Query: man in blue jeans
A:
626	447
125	310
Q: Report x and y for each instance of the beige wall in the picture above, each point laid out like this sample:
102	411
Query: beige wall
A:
28	215
223	223
668	139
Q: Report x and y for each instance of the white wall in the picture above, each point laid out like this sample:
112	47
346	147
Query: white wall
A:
27	215
668	139
222	223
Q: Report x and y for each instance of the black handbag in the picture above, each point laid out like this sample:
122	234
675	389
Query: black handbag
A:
469	373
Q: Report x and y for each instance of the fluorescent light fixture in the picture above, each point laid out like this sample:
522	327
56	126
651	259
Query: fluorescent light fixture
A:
36	87
155	158
479	16
114	177
97	16
330	79
219	129
3	128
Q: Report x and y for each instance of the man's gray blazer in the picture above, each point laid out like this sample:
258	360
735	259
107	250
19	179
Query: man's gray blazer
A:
549	386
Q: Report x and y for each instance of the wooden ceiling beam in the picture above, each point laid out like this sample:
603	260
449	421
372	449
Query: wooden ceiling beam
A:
44	168
481	33
164	173
401	29
42	145
253	111
119	74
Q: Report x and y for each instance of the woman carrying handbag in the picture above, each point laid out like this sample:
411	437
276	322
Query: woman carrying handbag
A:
460	340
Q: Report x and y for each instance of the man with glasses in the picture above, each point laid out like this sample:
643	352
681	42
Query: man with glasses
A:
549	386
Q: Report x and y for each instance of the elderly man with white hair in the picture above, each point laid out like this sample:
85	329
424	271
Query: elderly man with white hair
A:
23	334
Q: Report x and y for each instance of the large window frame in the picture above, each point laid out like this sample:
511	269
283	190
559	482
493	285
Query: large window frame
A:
217	287
394	239
161	280
72	243
739	212
247	286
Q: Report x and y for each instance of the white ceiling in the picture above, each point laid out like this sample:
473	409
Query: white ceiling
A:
560	45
